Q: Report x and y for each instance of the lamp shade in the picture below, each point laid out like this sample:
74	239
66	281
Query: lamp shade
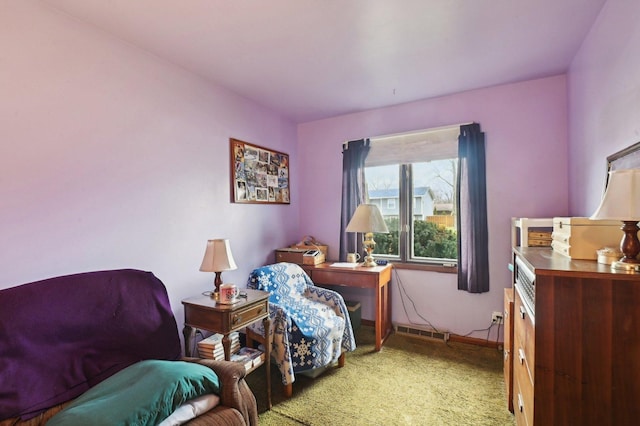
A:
218	257
367	218
621	200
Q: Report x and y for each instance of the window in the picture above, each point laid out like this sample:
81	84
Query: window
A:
419	171
391	204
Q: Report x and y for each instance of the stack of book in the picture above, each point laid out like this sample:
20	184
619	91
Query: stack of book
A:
212	347
250	357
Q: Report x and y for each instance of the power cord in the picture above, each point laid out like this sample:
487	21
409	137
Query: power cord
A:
404	307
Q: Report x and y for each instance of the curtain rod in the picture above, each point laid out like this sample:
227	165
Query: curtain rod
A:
425	131
345	145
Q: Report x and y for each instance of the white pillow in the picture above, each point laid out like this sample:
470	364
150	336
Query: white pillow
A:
191	409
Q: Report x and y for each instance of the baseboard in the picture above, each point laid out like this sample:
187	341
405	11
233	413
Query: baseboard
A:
370	323
475	341
456	338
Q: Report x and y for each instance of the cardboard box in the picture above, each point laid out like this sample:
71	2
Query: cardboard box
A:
300	256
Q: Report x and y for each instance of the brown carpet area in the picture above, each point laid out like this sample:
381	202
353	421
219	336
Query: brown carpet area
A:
409	382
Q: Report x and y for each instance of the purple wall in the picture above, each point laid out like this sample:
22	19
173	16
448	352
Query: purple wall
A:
526	139
604	101
113	158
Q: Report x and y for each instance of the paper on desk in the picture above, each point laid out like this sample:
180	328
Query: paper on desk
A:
344	265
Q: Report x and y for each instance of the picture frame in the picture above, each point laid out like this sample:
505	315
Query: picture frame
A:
627	158
259	175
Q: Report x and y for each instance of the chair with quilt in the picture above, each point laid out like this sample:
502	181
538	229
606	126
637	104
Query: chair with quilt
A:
310	326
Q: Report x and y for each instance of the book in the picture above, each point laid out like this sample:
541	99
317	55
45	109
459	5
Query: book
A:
218	353
212	340
212	347
211	354
215	340
243	359
256	355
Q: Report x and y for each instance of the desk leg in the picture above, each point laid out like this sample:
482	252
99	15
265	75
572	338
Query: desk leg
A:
379	317
386	314
189	334
383	315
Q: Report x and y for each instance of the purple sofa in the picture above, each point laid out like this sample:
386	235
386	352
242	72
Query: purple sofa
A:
62	336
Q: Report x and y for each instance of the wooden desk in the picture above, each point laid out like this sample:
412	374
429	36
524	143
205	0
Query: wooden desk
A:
377	278
203	312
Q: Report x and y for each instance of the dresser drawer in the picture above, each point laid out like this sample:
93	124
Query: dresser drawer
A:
508	346
521	358
523	328
522	395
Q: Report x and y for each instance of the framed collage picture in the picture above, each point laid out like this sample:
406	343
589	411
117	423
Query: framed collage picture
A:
258	174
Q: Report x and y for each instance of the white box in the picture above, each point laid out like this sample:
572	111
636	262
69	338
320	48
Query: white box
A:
581	237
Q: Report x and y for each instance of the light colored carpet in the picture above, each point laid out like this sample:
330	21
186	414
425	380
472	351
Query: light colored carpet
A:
409	382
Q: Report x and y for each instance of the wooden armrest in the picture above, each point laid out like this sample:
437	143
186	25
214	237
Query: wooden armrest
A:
234	391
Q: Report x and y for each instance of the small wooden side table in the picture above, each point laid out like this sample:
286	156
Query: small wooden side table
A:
203	312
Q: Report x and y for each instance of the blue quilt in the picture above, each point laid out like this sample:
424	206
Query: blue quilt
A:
310	326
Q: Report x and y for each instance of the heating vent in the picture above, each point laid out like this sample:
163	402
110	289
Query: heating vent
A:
421	332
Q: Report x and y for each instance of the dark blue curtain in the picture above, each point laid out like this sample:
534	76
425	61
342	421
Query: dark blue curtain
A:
473	234
353	193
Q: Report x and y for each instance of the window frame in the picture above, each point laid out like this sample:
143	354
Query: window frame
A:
406	210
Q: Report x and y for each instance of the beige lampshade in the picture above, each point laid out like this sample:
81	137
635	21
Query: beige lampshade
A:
218	257
621	200
367	218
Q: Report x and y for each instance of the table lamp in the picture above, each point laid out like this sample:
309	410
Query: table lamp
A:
621	201
218	258
367	219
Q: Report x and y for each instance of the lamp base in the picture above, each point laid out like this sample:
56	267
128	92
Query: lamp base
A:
620	265
369	262
369	245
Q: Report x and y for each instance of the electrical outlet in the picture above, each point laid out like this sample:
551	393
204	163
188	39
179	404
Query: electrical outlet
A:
496	317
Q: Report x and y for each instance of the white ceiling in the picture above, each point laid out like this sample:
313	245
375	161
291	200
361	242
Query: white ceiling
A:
313	59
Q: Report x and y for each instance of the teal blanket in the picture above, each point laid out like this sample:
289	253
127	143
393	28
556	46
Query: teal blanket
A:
143	394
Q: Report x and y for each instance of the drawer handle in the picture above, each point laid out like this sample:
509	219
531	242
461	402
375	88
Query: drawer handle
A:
506	354
520	403
236	319
506	314
523	313
521	355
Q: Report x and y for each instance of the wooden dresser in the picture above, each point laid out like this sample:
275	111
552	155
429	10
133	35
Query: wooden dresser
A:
576	341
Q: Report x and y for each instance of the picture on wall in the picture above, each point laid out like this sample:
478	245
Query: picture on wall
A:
258	174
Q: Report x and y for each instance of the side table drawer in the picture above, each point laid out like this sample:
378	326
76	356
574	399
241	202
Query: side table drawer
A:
241	318
200	317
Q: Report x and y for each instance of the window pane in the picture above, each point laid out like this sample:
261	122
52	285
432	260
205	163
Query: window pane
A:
383	191
434	217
